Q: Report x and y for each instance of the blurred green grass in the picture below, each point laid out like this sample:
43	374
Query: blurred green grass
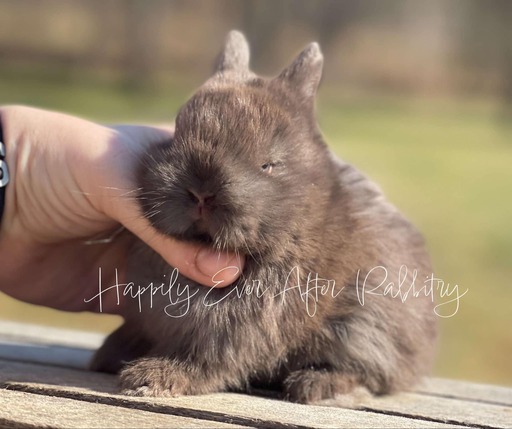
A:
445	163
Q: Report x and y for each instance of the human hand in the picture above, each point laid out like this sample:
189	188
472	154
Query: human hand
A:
71	181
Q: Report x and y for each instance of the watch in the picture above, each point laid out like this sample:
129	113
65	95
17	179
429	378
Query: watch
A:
4	173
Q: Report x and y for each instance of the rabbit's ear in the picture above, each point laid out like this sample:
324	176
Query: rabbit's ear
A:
303	75
235	55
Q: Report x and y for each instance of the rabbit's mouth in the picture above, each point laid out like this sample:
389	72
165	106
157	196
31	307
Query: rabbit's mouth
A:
205	233
199	231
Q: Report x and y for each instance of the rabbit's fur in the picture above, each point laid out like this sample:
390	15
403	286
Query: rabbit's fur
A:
248	171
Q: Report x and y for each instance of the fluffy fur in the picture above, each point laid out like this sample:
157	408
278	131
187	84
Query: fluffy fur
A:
248	171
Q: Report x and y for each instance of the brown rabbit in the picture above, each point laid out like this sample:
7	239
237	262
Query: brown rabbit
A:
315	311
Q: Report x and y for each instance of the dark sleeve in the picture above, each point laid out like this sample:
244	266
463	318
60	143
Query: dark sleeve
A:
4	175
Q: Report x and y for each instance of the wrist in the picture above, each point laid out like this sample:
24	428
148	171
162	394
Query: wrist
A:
53	192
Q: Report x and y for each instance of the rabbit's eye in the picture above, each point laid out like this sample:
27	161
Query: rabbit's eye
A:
267	167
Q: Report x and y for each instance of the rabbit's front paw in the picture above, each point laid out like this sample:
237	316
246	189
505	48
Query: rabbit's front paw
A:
155	377
311	385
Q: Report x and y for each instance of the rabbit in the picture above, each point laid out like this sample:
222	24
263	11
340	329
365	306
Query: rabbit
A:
315	312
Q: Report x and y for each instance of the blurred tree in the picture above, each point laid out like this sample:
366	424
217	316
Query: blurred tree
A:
504	11
262	20
142	38
330	17
486	45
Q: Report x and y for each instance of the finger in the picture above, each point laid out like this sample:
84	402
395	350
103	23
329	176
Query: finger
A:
200	263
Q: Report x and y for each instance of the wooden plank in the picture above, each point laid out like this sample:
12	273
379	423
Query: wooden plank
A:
498	395
20	409
243	409
37	334
42	344
230	407
46	354
20	372
433	408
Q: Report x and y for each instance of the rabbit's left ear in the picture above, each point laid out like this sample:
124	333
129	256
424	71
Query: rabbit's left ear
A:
303	75
235	55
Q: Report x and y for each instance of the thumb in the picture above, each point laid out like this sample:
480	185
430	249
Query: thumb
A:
199	263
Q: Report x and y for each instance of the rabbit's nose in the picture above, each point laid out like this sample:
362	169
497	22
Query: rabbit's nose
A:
202	199
205	198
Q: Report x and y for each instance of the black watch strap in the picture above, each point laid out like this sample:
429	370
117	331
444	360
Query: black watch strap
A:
4	173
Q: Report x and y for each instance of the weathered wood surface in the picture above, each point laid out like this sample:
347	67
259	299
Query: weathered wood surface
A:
34	393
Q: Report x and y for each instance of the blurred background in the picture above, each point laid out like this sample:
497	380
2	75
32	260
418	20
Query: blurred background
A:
417	94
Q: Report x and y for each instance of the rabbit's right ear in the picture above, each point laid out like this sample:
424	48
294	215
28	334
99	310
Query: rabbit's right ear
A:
235	55
305	73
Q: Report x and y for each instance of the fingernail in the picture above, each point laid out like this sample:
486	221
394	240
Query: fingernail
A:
209	262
